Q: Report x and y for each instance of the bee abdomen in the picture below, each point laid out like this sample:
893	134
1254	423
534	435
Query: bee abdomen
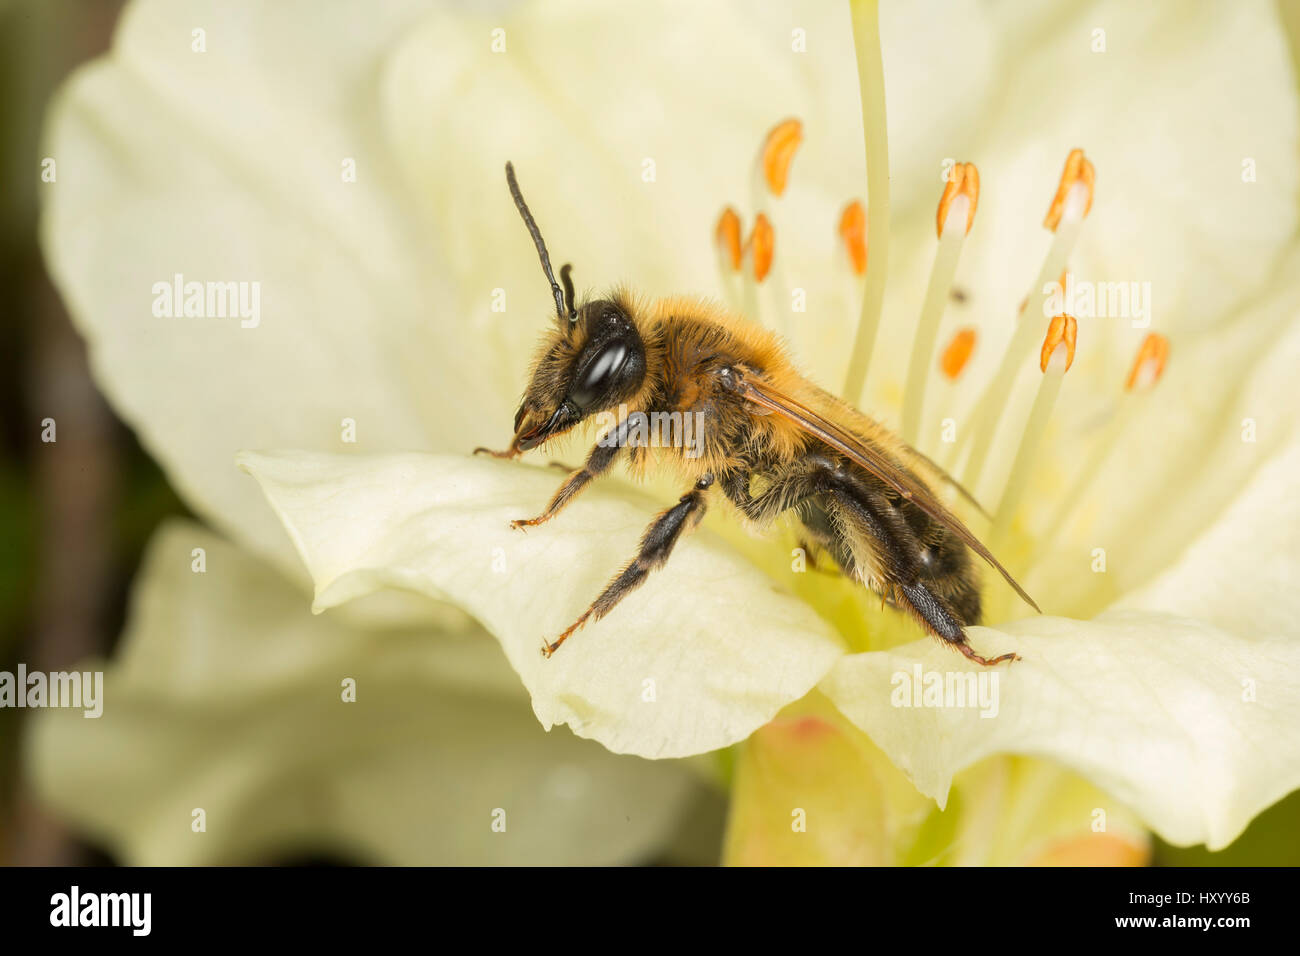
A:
874	537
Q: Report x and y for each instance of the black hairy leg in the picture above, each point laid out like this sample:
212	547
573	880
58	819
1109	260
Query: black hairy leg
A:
656	545
599	461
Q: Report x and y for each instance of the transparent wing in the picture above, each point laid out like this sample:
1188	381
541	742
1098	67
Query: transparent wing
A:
902	481
948	479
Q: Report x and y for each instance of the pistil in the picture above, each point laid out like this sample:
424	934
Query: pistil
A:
871	83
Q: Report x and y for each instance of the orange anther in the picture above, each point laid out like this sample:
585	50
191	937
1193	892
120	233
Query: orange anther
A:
1150	362
778	153
1063	331
762	244
853	230
957	354
1078	169
727	235
963	181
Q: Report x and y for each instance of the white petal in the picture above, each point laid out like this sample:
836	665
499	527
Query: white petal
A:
1195	729
1168	137
228	166
1243	573
702	654
226	696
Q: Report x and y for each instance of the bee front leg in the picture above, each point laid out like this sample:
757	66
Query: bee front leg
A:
656	546
511	452
598	462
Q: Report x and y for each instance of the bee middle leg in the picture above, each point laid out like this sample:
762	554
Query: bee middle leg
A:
656	546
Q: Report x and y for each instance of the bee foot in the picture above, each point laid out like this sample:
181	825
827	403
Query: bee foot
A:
970	654
508	453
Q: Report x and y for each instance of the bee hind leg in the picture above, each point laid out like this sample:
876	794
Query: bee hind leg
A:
880	529
941	622
656	546
969	651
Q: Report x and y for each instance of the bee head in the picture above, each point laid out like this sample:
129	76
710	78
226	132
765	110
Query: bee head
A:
596	363
592	361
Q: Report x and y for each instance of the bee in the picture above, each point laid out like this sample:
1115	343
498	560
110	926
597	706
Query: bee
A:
771	442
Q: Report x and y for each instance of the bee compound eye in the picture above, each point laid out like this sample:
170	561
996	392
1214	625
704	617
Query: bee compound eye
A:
595	380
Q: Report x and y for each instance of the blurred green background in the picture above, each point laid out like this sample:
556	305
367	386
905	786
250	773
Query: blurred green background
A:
75	517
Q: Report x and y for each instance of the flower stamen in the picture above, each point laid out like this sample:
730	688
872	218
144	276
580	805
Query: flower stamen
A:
1061	282
1056	357
727	241
1074	193
727	236
1063	331
778	153
964	180
957	354
1076	182
955	216
759	255
1149	364
853	230
761	247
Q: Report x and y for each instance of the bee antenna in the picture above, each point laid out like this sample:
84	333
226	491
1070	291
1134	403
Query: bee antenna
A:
565	277
540	243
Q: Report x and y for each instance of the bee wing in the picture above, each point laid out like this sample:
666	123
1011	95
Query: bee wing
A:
906	484
948	479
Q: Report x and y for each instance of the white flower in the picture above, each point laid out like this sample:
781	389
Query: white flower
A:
1169	680
228	697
